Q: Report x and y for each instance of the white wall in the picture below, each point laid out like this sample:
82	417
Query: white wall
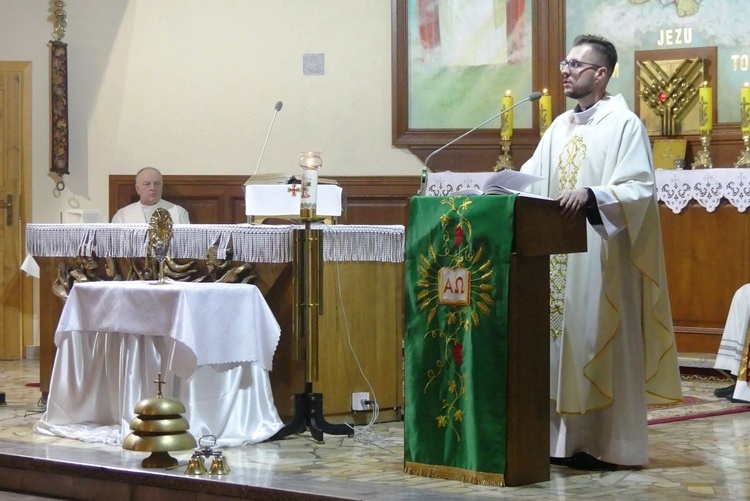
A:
189	86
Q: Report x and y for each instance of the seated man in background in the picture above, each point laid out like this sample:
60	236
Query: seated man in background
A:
733	347
148	185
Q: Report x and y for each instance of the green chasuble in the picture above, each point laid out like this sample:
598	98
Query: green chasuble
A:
456	337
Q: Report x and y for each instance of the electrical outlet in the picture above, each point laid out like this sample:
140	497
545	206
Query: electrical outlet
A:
358	399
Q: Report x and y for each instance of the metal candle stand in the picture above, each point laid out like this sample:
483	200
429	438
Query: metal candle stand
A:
308	271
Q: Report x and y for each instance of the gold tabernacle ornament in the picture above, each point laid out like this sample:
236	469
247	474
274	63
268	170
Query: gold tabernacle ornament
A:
670	97
159	239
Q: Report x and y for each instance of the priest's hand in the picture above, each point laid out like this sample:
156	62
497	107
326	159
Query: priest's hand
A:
571	202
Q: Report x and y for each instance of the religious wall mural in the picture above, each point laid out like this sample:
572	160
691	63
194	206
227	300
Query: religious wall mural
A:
671	24
463	57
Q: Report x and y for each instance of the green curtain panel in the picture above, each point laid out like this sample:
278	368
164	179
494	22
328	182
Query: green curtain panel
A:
456	337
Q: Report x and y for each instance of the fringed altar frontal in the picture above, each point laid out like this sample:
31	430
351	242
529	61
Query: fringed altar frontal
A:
456	337
250	243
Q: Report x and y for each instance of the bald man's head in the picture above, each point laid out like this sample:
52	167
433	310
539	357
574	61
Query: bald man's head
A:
148	185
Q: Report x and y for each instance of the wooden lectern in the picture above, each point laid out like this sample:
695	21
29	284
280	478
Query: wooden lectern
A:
540	231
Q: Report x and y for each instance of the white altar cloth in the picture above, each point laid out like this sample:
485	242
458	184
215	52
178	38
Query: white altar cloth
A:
284	200
674	188
677	188
212	342
250	243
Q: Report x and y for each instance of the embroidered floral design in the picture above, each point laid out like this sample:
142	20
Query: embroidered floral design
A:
451	324
570	162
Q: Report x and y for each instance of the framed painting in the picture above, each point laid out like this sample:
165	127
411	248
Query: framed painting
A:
454	60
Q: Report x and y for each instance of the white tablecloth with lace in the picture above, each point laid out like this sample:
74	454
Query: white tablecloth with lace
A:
677	188
249	243
213	343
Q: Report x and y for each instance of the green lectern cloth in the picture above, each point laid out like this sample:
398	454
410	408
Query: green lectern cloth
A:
456	337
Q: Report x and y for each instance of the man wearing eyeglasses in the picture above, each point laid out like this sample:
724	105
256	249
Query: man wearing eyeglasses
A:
612	345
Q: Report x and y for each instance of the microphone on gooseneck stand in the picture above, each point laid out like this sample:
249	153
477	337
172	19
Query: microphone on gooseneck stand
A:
276	108
534	96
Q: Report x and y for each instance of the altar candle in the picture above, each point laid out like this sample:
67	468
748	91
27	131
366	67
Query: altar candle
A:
309	196
545	111
705	111
745	109
310	162
506	122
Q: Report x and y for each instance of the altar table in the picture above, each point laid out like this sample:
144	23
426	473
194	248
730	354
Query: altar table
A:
362	294
212	342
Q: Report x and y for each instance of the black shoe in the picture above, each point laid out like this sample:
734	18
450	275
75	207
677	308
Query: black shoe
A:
583	461
561	461
725	392
737	400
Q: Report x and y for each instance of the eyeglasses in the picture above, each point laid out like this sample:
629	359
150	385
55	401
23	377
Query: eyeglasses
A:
574	64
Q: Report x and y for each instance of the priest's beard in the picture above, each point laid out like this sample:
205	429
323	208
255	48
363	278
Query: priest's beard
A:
579	93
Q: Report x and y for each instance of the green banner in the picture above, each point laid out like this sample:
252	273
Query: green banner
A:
456	337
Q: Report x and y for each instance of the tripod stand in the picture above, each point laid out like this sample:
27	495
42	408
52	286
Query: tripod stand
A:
308	271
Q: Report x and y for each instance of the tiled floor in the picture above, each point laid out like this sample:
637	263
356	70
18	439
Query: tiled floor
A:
707	458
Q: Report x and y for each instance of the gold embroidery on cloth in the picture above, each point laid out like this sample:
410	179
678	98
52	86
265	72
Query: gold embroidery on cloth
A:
569	165
453	473
463	281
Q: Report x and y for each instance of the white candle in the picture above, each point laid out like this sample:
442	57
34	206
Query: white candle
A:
310	163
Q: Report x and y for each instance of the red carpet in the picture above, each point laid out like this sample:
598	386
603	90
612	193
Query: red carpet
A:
685	417
699	402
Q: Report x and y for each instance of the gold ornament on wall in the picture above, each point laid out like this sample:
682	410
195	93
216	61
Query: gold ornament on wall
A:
670	90
667	86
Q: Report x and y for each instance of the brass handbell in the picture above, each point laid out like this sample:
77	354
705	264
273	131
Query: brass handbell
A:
219	466
196	466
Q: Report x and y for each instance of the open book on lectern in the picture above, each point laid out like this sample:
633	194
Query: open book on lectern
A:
504	182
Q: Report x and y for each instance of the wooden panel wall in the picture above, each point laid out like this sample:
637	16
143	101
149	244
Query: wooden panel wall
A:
708	258
221	199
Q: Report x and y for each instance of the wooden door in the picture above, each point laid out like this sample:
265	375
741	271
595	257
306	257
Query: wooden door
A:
15	98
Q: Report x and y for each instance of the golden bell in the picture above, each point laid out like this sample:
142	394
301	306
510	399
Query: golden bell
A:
196	466
219	466
158	428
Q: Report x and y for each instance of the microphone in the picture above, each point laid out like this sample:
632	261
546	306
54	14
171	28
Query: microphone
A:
534	96
277	109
